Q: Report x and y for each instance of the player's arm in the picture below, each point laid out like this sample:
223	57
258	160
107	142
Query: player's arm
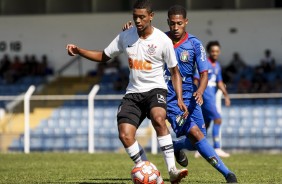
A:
222	87
202	66
98	56
176	80
197	80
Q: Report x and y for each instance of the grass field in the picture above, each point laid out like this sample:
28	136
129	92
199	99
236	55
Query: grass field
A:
115	168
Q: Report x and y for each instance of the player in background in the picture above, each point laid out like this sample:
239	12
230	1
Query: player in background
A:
189	53
209	109
148	50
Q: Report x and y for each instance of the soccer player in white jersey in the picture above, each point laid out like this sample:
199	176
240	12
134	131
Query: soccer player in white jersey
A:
148	50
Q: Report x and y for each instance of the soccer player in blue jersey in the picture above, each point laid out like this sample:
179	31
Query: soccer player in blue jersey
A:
190	53
209	109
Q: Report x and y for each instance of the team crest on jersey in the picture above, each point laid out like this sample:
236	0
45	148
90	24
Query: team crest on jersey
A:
184	57
152	49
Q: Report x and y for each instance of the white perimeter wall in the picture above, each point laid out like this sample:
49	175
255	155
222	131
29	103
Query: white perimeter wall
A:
48	34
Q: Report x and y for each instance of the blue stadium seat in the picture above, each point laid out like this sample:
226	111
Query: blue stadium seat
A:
234	111
258	122
269	111
258	111
245	112
279	111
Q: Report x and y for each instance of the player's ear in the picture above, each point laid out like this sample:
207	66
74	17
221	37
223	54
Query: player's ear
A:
167	21
186	21
152	16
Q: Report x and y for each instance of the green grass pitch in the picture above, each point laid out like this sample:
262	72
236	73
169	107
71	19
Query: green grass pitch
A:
115	168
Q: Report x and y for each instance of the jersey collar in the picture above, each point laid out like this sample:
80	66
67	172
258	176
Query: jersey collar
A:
213	64
181	41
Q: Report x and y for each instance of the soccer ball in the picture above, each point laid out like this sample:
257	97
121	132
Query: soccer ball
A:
145	172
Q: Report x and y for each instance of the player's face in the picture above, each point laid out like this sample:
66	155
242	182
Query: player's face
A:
177	25
142	19
214	52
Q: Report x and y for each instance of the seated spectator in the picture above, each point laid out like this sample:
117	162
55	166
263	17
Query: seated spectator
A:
14	72
244	85
33	65
235	67
268	61
43	68
277	85
27	65
5	65
259	82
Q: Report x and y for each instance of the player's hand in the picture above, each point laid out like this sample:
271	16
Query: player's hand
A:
127	26
183	108
198	97
227	101
72	49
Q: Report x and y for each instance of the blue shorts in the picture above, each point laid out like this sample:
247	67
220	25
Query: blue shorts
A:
210	112
195	118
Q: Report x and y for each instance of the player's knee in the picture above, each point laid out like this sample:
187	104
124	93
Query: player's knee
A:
196	134
218	121
125	137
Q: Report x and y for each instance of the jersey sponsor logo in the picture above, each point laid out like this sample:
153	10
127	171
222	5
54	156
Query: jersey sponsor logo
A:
152	49
161	98
203	53
184	56
136	64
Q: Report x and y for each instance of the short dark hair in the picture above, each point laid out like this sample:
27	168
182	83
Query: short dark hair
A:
177	10
143	4
211	44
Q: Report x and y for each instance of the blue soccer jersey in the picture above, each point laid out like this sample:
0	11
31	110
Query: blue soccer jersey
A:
190	54
209	109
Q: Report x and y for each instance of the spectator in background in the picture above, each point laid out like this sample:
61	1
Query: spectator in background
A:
33	65
235	67
268	61
259	82
27	65
277	85
5	65
244	84
42	67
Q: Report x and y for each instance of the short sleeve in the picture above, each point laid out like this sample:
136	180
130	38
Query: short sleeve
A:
115	47
169	54
219	74
201	58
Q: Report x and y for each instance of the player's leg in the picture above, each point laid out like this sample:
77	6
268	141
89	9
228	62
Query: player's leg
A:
196	135
216	134
129	118
157	113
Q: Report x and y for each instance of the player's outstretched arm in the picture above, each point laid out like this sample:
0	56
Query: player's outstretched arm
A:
177	85
201	88
221	86
97	56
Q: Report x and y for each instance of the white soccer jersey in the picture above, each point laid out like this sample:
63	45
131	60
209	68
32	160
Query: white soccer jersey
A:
146	58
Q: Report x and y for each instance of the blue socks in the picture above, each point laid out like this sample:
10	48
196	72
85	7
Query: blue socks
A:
216	135
183	143
207	151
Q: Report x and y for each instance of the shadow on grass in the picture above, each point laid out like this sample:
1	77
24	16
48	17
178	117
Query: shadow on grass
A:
108	180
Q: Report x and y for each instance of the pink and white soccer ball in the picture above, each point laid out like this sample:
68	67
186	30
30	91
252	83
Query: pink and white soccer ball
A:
145	172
